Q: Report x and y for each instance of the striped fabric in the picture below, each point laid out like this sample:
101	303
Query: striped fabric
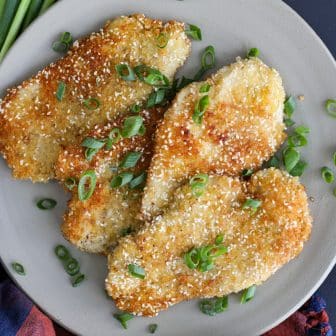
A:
20	317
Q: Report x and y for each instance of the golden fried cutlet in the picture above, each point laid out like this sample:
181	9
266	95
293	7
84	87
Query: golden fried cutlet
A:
242	127
95	225
258	243
34	124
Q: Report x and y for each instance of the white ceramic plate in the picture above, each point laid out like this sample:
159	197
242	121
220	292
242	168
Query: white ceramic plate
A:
232	26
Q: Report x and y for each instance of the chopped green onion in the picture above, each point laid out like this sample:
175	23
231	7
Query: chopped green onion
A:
152	328
60	47
253	52
14	26
214	306
121	180
290	157
273	162
162	40
60	91
191	258
125	72
302	130
91	103
297	140
63	44
208	58
219	239
131	126
299	168
252	204
130	160
247	172
156	98
123	318
135	108
289	106
202	258
113	137
66	38
142	130
78	280
90	142
62	252
248	294
330	106
87	185
71	266
289	122
136	271
138	181
198	184
200	109
46	204
205	88
194	32
70	183
327	175
151	76
18	268
90	153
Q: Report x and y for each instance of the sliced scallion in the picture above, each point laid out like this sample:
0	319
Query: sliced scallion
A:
125	72
91	103
136	271
46	204
151	76
130	160
252	204
330	106
299	168
247	172
205	88
327	175
90	153
156	98
123	318
248	294
290	157
71	266
62	252
289	107
60	91
214	306
132	126
70	183
200	108
18	268
194	32
121	180
253	52
138	181
152	328
78	280
208	58
162	40
198	184
87	185
90	142
135	108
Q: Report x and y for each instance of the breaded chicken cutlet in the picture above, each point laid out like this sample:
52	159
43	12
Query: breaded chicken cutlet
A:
230	122
59	105
258	242
94	225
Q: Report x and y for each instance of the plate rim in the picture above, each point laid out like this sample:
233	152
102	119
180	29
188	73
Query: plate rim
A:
322	277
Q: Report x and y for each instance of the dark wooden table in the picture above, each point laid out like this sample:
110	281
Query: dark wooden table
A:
321	15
